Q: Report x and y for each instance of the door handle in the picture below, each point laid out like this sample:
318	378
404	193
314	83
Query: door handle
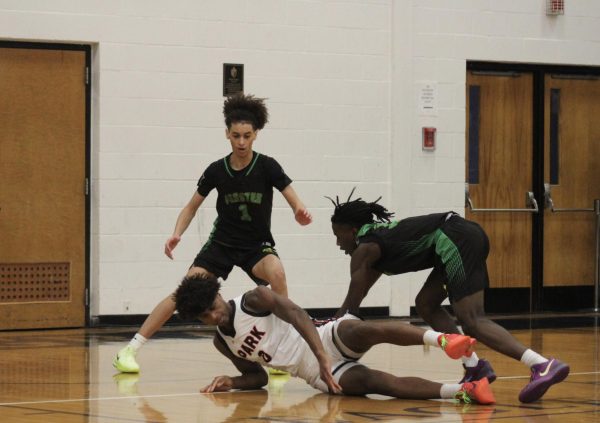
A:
530	202
549	204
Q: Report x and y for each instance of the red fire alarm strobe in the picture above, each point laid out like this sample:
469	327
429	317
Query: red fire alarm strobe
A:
555	7
429	139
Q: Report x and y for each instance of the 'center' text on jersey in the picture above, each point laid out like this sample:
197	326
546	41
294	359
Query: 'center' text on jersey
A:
243	197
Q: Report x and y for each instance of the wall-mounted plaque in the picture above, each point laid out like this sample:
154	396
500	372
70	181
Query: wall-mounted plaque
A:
233	78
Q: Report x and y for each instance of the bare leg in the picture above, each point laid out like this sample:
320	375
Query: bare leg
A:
429	304
165	309
360	380
270	269
159	316
360	335
470	313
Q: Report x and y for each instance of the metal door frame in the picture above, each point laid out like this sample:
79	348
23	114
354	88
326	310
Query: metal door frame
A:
540	298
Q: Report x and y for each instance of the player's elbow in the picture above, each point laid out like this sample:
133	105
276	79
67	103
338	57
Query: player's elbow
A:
261	379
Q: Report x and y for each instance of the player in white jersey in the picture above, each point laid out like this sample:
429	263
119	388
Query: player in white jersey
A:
263	328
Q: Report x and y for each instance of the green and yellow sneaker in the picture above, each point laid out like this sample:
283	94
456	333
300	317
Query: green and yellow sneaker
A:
125	361
277	372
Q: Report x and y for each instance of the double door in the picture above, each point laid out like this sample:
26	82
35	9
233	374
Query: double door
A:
532	178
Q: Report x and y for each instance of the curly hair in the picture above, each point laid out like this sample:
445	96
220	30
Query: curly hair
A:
357	213
245	108
195	295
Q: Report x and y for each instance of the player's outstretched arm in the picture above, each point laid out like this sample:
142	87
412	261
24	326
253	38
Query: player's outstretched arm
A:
263	299
362	278
253	375
301	214
183	221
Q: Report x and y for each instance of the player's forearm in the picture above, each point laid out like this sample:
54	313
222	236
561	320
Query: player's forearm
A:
355	295
250	381
292	198
183	221
304	325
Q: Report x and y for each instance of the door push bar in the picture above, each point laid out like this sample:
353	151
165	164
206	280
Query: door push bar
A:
530	202
596	210
549	204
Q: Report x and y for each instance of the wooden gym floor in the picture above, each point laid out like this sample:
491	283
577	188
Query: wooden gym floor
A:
66	376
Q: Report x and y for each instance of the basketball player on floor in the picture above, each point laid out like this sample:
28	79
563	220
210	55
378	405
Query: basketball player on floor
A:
262	328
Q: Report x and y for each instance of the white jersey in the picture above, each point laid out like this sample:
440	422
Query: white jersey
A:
264	338
270	341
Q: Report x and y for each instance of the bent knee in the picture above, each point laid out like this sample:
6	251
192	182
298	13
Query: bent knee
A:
425	308
277	276
470	325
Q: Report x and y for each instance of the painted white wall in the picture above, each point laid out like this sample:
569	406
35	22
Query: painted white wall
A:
342	79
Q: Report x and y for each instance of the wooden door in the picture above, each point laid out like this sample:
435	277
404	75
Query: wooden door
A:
499	150
42	188
572	175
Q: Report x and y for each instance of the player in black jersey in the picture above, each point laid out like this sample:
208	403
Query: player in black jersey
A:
456	250
241	234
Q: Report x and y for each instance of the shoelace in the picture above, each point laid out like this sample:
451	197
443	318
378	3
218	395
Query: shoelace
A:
463	396
443	342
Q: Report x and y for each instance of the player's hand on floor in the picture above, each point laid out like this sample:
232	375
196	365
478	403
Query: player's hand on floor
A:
327	377
219	384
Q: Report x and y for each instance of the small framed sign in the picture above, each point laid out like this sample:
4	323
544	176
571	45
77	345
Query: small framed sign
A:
233	78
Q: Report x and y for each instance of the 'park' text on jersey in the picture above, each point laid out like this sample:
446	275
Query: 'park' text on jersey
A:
264	338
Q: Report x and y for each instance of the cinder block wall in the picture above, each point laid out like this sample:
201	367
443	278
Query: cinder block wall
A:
342	80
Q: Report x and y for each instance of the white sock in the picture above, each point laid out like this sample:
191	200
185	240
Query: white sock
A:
531	358
449	390
430	337
137	342
470	361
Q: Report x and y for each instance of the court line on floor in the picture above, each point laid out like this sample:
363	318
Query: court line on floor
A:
188	394
185	394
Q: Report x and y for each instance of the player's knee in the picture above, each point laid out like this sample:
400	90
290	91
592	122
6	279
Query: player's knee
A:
357	382
470	325
364	331
277	276
424	308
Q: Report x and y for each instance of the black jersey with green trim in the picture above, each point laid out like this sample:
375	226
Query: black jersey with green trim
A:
408	245
245	199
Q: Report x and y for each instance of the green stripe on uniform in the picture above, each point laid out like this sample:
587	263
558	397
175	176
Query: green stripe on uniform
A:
252	165
450	256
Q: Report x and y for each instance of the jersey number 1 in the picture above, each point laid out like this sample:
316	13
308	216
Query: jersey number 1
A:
244	211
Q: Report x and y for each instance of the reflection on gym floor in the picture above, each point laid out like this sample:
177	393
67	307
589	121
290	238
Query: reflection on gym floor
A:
66	376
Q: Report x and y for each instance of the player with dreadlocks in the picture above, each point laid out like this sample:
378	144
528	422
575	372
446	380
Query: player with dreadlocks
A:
456	250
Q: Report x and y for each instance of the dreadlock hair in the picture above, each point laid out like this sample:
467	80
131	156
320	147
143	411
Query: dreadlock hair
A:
357	213
245	108
195	295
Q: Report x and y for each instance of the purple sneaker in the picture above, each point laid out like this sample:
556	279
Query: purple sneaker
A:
543	376
481	370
